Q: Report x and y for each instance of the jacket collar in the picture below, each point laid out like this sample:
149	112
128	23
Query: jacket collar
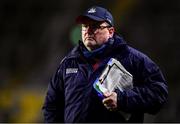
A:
115	46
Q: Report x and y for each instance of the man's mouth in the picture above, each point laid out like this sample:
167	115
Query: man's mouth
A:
89	38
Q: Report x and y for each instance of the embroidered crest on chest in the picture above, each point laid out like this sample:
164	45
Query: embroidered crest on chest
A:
71	70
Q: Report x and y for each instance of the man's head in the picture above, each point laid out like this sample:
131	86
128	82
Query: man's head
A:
97	27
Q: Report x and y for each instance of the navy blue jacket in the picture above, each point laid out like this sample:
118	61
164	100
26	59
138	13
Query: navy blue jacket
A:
72	98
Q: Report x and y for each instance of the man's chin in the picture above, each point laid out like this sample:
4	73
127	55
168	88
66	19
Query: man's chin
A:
90	43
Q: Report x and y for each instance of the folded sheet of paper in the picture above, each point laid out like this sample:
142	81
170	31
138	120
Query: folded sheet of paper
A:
114	76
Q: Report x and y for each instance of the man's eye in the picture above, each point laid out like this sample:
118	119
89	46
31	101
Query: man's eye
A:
95	26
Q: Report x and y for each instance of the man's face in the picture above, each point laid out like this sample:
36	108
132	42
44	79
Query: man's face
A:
95	34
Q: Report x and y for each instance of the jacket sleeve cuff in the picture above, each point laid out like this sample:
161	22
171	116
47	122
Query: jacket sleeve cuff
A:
121	101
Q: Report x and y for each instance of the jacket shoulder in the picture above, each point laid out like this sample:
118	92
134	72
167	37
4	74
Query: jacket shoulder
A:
72	54
142	62
136	53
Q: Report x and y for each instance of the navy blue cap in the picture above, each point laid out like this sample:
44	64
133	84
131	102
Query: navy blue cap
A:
96	13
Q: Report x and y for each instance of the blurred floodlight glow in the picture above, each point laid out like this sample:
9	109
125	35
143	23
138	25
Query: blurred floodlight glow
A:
75	34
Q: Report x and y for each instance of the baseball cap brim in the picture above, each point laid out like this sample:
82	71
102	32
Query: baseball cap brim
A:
84	18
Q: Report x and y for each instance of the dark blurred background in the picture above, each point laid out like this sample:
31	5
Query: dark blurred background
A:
36	34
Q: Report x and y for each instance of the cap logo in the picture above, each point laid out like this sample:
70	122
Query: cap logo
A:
92	10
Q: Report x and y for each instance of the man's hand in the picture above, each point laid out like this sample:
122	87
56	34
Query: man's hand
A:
110	101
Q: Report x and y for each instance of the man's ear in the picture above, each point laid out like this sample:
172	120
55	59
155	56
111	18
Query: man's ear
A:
111	31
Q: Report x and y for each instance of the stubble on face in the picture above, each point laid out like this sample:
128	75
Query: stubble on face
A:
89	41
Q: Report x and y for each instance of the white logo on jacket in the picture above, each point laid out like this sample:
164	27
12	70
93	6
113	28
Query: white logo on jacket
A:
71	70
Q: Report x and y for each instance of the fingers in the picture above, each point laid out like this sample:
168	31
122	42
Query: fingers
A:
107	101
110	102
110	107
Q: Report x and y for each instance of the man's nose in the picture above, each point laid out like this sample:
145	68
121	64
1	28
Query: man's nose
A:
90	30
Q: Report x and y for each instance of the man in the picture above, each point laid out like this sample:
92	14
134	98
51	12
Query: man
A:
71	96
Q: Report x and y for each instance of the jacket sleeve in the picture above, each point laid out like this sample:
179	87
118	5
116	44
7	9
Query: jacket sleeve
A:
149	92
53	107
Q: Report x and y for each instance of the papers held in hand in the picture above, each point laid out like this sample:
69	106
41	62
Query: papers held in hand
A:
114	76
